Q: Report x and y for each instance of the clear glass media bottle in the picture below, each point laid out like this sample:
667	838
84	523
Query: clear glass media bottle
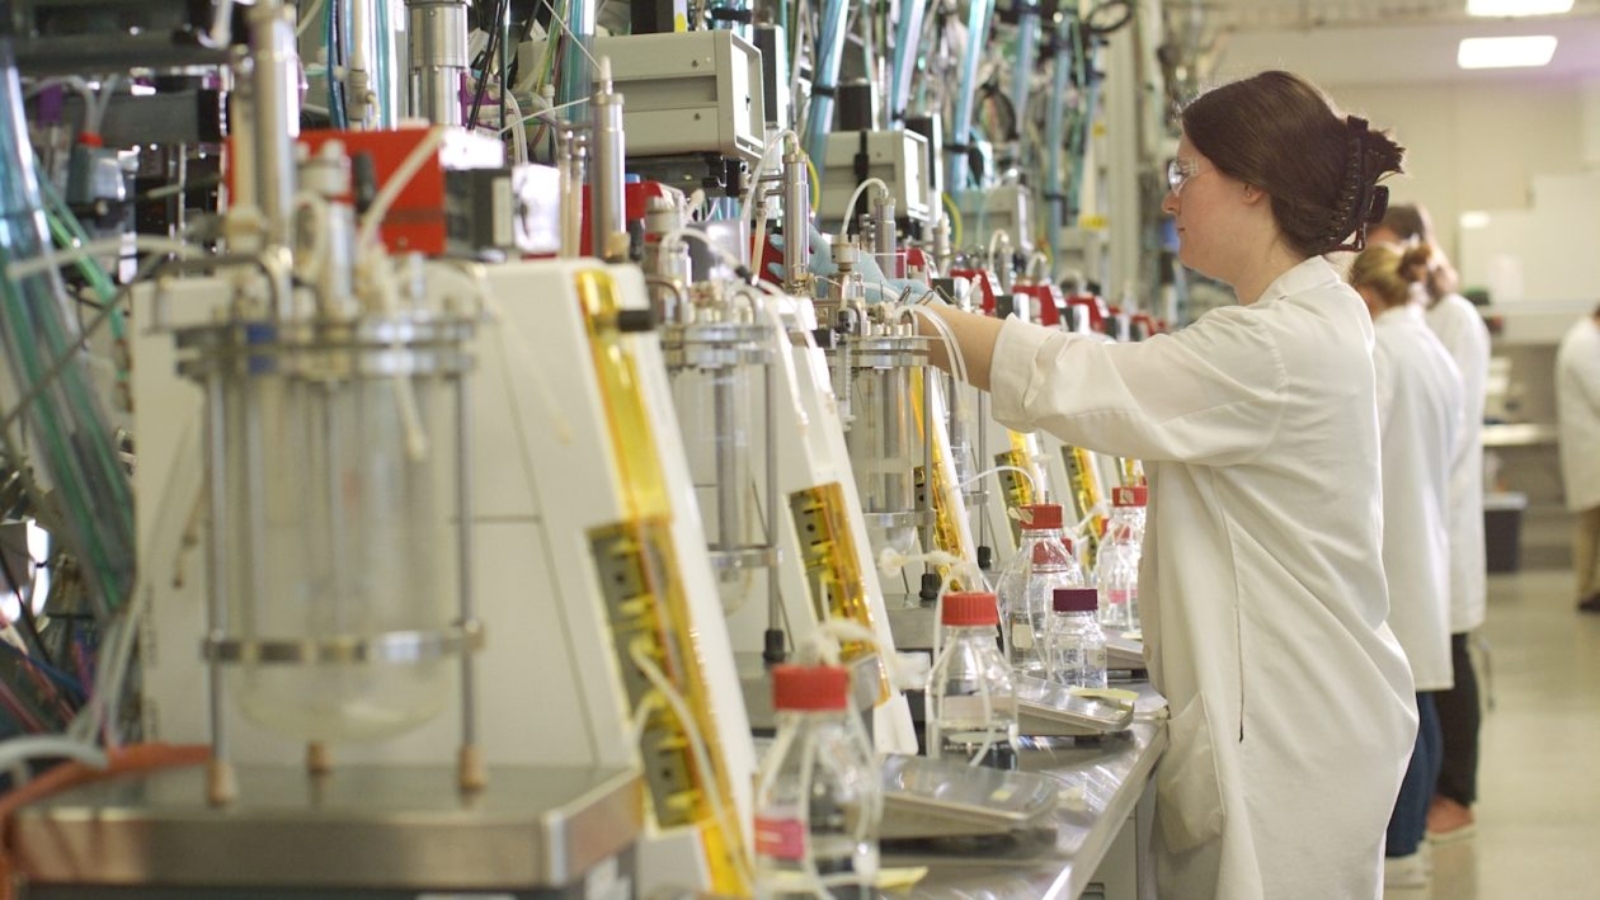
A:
819	796
972	697
1042	563
1074	645
1117	569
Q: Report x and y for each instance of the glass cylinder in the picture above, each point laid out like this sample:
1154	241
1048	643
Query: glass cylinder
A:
334	536
884	442
716	412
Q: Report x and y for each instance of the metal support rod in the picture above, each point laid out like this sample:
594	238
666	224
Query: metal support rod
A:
983	463
884	239
438	59
607	212
894	409
275	88
472	774
219	781
796	220
729	484
774	595
574	169
930	502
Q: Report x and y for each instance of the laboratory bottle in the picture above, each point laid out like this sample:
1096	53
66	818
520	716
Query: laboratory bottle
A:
819	795
972	696
1043	562
1074	645
1117	567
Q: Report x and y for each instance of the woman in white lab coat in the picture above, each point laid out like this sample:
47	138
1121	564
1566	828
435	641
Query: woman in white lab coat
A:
1261	583
1578	416
1419	425
1461	329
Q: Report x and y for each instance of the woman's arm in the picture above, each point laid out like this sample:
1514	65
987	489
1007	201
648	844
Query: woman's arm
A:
974	334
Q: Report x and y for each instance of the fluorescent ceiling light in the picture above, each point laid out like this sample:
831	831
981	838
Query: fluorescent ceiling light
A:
1505	52
1474	220
1501	8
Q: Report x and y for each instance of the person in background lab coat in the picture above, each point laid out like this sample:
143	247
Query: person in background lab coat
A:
1578	417
1461	329
1419	424
1262	587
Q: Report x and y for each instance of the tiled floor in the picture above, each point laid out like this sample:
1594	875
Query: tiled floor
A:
1539	778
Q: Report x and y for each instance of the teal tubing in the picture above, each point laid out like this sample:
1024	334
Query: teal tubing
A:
576	81
1055	132
64	420
1027	52
829	56
978	17
907	38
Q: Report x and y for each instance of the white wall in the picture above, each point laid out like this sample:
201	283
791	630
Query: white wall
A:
1476	147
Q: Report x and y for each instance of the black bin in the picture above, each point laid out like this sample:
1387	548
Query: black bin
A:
1502	530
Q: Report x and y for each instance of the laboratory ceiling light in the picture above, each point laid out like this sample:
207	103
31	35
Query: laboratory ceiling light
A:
1502	8
1505	52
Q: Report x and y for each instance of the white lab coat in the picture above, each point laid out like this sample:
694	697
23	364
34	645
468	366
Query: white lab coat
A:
1460	328
1261	587
1419	415
1578	412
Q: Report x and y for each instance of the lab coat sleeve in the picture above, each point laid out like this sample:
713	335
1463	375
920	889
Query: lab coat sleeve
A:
1211	394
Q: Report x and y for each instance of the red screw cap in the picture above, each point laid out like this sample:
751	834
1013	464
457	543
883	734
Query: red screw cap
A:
970	609
1138	495
808	688
1041	516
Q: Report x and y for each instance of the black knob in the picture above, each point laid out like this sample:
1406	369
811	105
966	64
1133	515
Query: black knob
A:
364	171
636	320
930	588
773	652
985	557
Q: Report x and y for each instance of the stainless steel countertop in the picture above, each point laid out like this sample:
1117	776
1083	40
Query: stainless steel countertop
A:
1101	784
1518	435
362	827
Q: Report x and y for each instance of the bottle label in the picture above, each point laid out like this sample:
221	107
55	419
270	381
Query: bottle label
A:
780	838
1022	635
1117	596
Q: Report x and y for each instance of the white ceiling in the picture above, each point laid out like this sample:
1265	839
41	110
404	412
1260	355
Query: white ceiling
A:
1375	41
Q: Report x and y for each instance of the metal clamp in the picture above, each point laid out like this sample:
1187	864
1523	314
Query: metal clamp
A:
741	558
395	647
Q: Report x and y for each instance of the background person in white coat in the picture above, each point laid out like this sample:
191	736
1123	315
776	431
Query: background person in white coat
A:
1461	329
1419	425
1261	584
1578	418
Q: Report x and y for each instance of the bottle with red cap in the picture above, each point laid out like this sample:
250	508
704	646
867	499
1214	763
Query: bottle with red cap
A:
1044	561
819	796
1074	645
972	696
1117	567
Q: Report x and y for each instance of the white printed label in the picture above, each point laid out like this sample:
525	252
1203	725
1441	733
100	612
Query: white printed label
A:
1022	636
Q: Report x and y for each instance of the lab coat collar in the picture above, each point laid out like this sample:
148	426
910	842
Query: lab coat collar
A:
1312	274
1400	315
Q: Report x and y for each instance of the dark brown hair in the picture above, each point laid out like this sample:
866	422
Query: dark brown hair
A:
1411	222
1320	168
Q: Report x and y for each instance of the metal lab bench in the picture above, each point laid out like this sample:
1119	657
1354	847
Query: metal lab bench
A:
1101	834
